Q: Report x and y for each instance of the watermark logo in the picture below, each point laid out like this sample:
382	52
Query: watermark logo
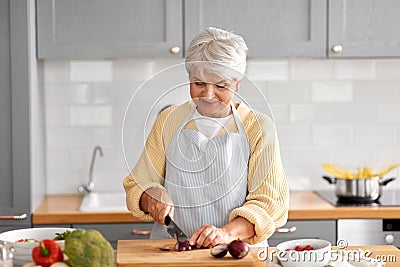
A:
342	254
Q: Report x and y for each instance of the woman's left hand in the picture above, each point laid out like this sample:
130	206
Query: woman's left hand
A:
209	236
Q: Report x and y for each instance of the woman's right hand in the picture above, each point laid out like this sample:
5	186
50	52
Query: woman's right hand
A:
157	203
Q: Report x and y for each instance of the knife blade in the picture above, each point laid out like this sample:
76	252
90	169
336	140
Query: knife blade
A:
174	229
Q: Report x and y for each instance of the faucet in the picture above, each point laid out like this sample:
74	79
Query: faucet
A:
90	186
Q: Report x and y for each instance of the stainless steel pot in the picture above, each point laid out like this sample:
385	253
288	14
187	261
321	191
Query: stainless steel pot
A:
363	190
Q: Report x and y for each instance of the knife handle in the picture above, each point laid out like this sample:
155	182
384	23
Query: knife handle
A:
167	220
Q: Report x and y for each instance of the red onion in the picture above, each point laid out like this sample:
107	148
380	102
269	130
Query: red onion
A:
181	246
219	250
238	249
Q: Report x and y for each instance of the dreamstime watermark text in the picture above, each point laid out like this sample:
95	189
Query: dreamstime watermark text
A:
340	255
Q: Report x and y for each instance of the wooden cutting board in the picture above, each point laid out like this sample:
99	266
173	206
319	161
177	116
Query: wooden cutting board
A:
147	253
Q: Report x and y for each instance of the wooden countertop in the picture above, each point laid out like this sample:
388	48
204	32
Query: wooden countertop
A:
64	209
307	205
304	205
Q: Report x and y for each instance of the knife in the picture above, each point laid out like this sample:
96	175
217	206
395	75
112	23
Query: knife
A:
174	230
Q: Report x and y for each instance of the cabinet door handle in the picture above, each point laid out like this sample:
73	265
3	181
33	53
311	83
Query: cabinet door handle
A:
140	232
13	217
286	230
175	50
337	49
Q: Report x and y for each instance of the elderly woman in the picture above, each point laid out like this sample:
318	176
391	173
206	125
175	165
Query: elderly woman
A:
211	164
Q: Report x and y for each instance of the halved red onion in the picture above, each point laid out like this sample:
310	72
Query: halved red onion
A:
182	246
219	250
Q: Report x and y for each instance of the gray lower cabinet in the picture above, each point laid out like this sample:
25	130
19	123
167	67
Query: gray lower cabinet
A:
93	29
52	226
320	229
364	28
271	28
120	231
14	116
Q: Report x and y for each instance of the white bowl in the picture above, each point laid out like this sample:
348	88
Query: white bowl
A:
23	250
318	257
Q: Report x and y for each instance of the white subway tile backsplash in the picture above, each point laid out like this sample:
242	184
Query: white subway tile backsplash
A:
353	156
375	134
169	66
294	135
132	70
302	113
102	93
375	91
389	113
68	138
388	153
267	70
354	69
332	91
388	69
311	70
280	113
308	157
81	160
91	115
298	180
338	111
67	93
107	137
91	71
56	71
354	113
65	182
109	181
387	156
312	113
291	91
57	116
332	134
58	159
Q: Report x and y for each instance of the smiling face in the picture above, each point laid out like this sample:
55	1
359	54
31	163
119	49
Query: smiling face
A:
212	94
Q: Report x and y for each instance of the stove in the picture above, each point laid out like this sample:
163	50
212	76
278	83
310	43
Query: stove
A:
387	199
357	232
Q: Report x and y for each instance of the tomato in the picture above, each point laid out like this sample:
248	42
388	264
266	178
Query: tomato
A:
300	248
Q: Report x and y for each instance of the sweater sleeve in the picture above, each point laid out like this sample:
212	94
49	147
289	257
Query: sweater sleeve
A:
267	202
149	171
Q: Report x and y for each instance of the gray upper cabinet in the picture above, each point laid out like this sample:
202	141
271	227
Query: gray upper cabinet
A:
14	116
364	28
271	28
93	29
101	29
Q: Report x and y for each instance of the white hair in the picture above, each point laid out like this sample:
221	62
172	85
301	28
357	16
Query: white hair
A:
217	51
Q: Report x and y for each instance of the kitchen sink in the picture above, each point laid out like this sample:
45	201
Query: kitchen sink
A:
103	201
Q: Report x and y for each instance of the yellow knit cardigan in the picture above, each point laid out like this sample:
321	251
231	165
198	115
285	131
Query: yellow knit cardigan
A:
267	201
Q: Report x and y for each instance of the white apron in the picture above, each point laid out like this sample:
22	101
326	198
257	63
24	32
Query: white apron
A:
205	178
